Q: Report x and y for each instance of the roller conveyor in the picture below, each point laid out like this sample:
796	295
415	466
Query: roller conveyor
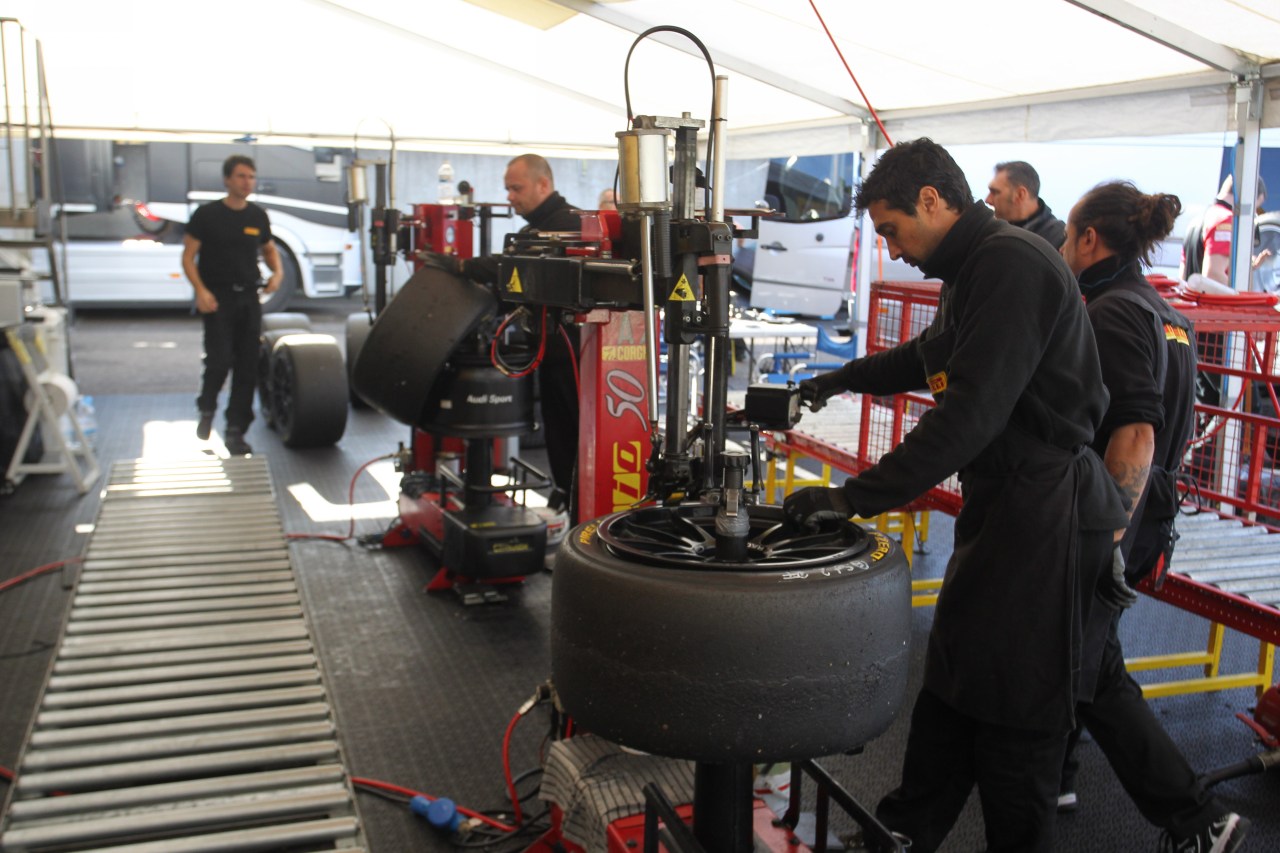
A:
185	709
1241	561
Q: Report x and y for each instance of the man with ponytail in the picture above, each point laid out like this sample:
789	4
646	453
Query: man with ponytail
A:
1148	362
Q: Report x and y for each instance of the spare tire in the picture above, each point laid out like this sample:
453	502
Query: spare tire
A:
409	345
801	651
308	390
266	344
286	320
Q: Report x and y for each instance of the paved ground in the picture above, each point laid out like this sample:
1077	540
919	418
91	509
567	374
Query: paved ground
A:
158	351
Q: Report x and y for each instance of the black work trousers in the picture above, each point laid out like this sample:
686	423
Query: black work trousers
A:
1145	759
948	752
558	383
231	336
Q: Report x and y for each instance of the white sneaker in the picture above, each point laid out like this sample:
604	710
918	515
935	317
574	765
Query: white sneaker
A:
1224	835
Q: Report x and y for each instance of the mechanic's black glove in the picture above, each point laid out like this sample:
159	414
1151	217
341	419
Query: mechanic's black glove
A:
1112	588
807	508
816	391
448	263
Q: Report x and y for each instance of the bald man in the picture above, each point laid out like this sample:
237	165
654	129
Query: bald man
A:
531	191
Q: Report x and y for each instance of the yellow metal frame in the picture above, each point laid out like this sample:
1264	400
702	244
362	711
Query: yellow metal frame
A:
912	526
1211	661
924	593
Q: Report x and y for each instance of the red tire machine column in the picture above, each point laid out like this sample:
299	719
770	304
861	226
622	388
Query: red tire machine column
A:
615	441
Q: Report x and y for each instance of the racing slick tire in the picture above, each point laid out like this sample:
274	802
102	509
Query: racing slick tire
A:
768	660
308	390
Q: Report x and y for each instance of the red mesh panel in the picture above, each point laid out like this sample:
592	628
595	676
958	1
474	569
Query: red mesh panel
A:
1233	460
900	311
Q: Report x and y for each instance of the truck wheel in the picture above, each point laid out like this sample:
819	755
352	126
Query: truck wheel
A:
358	326
267	343
799	651
308	390
278	301
1266	277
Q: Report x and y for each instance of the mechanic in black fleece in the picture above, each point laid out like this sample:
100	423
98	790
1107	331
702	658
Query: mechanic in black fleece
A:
1014	196
531	191
1011	362
1148	359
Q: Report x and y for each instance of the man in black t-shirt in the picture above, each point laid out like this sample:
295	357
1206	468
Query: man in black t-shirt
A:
220	258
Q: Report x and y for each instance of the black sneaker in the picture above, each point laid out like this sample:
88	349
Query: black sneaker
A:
205	426
1224	835
236	445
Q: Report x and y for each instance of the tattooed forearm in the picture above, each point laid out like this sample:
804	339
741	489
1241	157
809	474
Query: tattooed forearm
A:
1131	479
1128	459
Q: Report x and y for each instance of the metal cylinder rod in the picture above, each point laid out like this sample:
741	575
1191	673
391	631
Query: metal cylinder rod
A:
723	807
479	474
678	383
391	169
715	285
44	122
8	126
379	271
30	177
717	141
650	325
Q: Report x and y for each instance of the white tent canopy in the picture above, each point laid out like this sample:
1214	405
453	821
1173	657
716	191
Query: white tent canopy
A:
548	74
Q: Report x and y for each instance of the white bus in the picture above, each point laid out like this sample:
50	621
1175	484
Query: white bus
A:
127	205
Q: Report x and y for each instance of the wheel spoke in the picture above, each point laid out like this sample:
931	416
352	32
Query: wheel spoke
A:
640	532
685	535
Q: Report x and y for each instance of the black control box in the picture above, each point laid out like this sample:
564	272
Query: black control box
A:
775	407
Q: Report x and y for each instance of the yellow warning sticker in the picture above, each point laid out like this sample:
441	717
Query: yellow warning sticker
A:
514	286
682	291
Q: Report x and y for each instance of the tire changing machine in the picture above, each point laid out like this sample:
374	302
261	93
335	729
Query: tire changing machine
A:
426	361
659	603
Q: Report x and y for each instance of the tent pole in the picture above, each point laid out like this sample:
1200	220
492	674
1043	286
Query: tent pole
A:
1248	110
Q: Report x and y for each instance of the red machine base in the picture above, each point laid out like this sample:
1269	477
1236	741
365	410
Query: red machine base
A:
626	835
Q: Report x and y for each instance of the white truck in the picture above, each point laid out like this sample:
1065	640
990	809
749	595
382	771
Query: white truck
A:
802	261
